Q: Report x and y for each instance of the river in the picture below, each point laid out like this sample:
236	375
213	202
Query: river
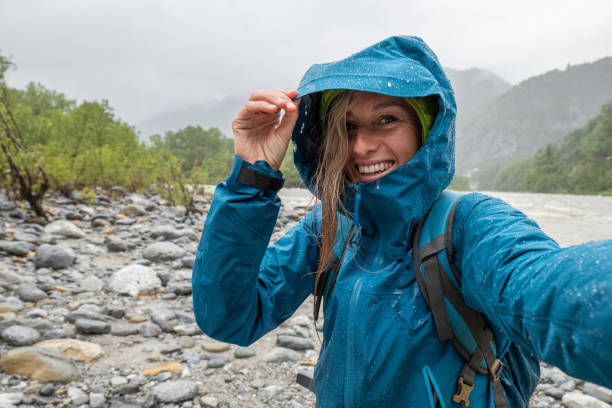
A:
569	219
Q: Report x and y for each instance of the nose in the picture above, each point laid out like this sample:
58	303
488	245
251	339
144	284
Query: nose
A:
364	142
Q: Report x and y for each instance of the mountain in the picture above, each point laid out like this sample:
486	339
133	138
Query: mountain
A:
534	113
218	114
475	89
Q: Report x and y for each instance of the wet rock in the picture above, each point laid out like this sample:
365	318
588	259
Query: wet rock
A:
16	248
28	292
281	355
92	284
597	391
7	205
215	346
294	343
209	402
133	210
54	256
149	329
72	348
8	278
118	245
577	400
38	364
89	326
175	391
10	399
20	335
162	316
47	390
216	362
244	352
188	261
64	228
163	251
97	400
135	280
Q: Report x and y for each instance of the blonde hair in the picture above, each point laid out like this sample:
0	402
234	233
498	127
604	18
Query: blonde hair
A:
331	180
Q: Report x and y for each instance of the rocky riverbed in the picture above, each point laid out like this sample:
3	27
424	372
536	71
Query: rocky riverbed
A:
95	310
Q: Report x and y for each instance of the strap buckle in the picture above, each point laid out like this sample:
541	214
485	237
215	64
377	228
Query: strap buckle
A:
496	369
462	396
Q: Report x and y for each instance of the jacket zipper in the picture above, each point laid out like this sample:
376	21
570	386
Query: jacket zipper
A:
349	384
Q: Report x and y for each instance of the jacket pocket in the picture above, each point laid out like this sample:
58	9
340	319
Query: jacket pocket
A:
433	391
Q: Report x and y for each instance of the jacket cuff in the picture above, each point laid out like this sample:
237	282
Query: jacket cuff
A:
260	175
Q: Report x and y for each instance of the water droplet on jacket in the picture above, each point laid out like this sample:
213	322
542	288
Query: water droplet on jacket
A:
378	184
388	83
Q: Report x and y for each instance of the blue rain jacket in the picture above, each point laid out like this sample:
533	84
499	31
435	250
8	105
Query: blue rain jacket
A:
379	345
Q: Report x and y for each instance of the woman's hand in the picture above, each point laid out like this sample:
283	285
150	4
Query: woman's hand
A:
259	134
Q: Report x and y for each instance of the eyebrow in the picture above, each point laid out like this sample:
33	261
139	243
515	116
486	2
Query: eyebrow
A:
382	105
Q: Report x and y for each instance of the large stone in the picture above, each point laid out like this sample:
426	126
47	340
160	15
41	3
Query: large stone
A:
8	278
20	335
163	251
117	245
28	292
72	348
89	326
54	256
597	391
175	391
215	346
133	210
17	248
135	280
65	229
10	400
38	364
281	355
577	400
294	342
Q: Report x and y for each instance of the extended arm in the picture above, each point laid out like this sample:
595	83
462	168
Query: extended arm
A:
554	302
241	288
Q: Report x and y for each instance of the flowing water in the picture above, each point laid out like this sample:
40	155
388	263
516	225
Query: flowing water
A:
569	219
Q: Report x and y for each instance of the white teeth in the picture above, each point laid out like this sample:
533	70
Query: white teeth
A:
375	168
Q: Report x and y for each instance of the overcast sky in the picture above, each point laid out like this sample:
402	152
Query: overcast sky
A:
148	56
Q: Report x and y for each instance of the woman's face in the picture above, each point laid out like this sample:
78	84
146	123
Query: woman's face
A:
383	134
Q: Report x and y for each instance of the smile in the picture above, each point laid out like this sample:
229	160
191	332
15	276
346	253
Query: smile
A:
375	168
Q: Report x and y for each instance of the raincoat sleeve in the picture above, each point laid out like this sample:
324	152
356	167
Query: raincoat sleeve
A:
551	301
241	287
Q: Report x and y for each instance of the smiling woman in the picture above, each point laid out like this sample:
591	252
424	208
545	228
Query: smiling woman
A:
374	138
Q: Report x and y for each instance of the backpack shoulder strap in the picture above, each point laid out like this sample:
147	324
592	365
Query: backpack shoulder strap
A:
440	284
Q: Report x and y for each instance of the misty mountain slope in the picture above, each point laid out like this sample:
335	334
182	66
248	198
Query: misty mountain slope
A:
475	89
535	113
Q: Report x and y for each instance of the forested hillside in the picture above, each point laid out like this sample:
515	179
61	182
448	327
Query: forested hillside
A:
581	163
533	114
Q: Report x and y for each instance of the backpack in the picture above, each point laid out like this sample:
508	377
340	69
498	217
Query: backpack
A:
440	285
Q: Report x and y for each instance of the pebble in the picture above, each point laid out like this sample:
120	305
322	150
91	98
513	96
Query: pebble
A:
90	326
163	251
149	329
294	343
215	346
135	280
175	391
54	256
28	292
244	352
20	335
281	355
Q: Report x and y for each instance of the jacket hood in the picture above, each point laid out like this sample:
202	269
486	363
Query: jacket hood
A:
389	207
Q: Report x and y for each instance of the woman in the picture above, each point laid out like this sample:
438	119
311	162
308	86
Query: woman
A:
378	159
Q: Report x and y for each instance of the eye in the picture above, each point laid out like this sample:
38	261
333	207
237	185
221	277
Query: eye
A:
387	119
351	127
